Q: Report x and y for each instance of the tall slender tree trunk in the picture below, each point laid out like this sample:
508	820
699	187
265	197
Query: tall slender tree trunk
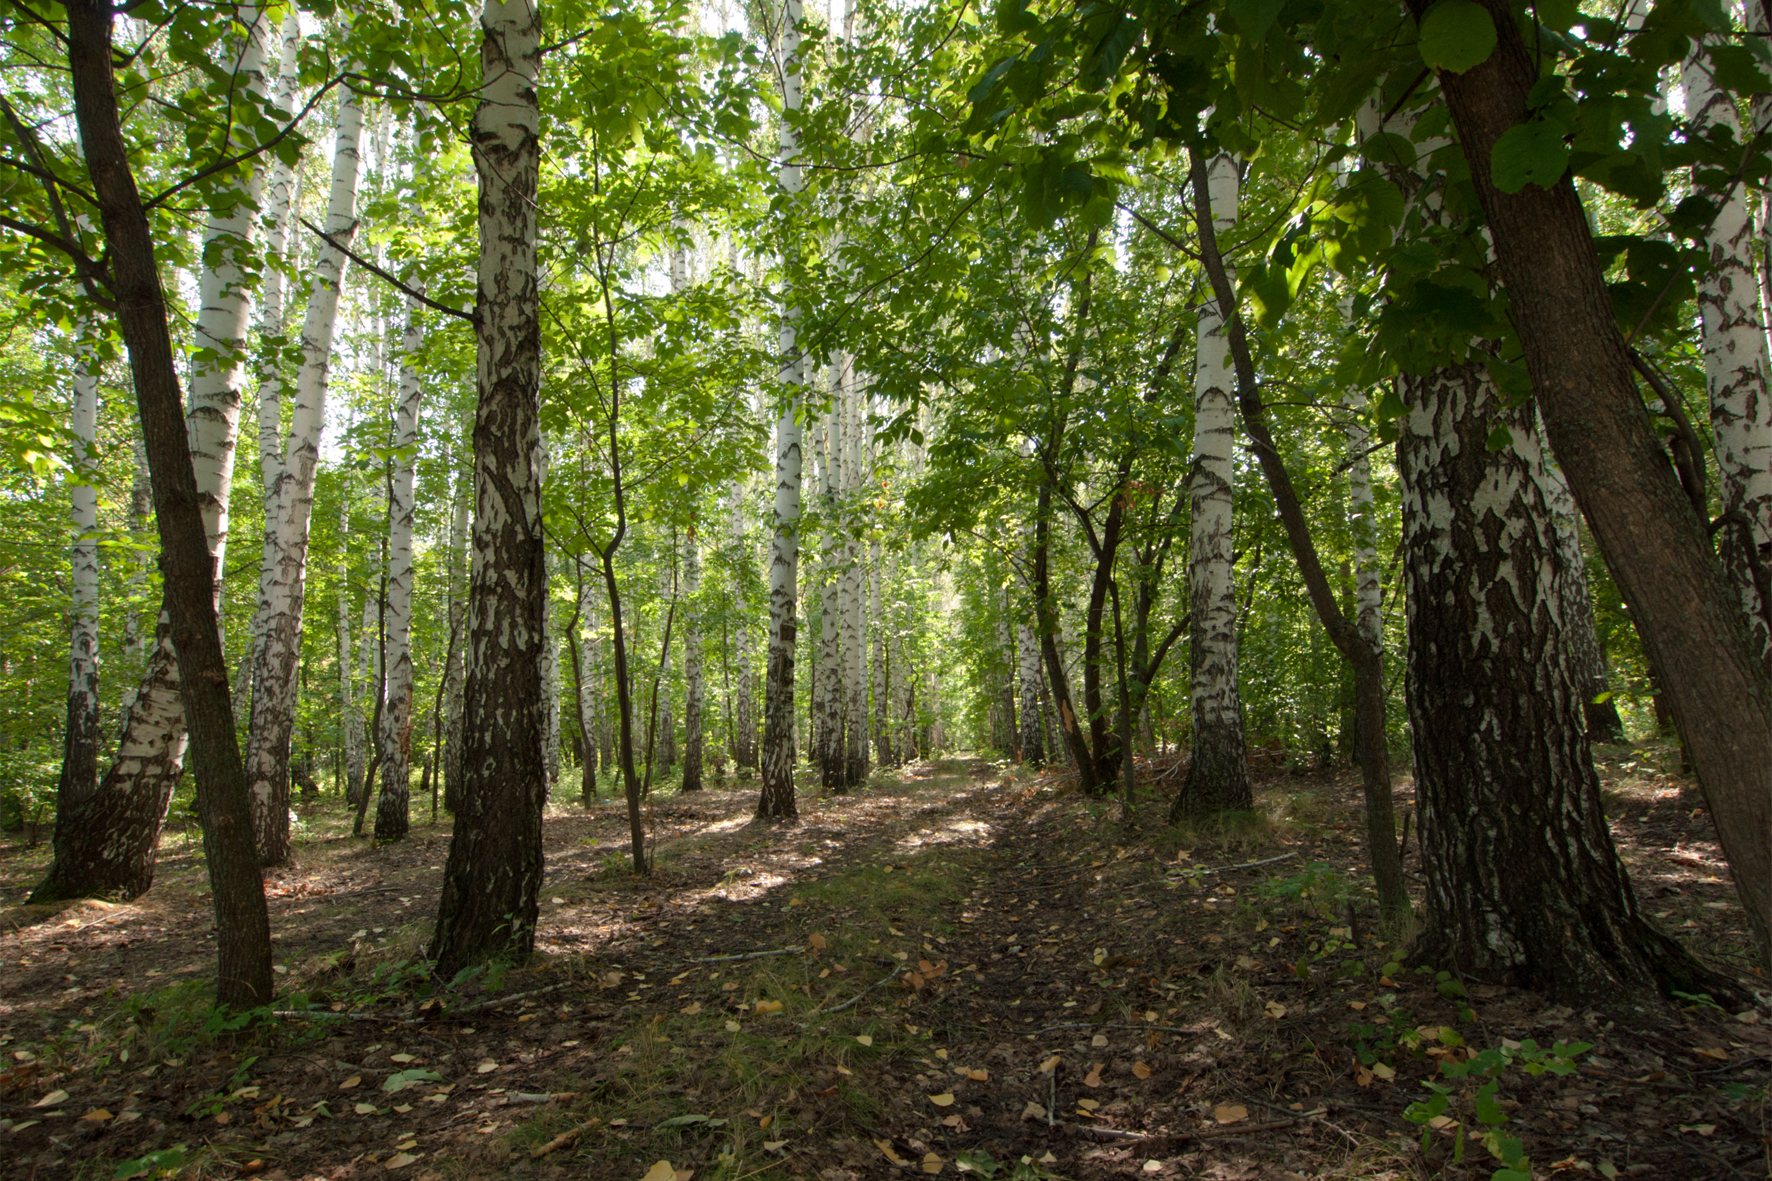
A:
457	670
1218	766
1735	368
79	774
828	695
1027	651
490	884
583	680
1597	706
852	596
350	731
777	800
283	589
743	739
693	687
243	940
393	809
108	843
1687	611
1523	881
880	678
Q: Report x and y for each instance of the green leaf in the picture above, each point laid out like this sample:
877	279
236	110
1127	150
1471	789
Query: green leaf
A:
1557	14
1456	35
1254	17
1500	439
1529	153
402	1079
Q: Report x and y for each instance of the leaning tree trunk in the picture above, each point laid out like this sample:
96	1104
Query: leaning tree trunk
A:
491	881
1523	882
243	937
393	809
777	801
1735	368
79	774
278	624
1687	610
693	687
1218	766
115	831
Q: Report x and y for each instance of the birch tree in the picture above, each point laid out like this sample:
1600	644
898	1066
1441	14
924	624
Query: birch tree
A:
490	882
777	798
392	810
1218	768
286	529
852	596
80	737
693	688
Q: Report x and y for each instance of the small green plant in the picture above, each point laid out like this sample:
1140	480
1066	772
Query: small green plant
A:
1444	1109
164	1163
1380	1039
1318	886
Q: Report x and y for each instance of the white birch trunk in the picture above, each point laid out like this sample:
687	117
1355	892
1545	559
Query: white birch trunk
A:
852	594
1218	770
286	531
743	739
80	738
1735	368
880	678
777	799
392	809
452	749
693	688
827	705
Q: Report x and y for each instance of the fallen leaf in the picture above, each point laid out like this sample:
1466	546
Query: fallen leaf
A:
951	1121
768	1007
1051	1064
486	1066
662	1171
732	1027
1098	1040
931	1163
225	1117
945	1099
1153	1166
365	1109
1230	1113
97	1113
692	1009
885	1146
1093	1078
406	1145
1441	1121
1089	1104
1141	1070
1384	1072
844	1070
1033	1111
819	943
1356	1005
864	1040
775	1145
1275	1010
401	1058
914	980
765	1122
51	1099
1362	1076
979	1076
1716	1052
1701	1129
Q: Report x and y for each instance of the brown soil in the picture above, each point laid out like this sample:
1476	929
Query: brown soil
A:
1044	991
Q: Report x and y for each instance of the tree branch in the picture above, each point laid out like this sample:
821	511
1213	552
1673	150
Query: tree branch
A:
413	292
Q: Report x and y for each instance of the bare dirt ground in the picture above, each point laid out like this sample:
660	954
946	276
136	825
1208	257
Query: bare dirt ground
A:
964	968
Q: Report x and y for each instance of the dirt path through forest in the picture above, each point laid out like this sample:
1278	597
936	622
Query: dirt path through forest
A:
960	967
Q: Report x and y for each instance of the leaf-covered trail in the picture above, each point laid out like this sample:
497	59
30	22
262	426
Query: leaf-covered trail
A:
958	966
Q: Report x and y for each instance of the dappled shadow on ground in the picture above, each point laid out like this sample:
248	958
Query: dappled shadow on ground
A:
963	966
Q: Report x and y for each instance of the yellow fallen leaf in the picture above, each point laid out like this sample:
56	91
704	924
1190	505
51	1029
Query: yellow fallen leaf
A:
732	1027
1033	1111
51	1099
485	1066
365	1109
931	1163
1093	1078
1141	1070
1099	1040
691	1010
885	1146
406	1145
841	1069
774	1145
1441	1121
401	1058
1716	1052
1275	1010
1089	1104
97	1113
1050	1065
951	1121
768	1007
661	1171
527	1017
400	1160
979	1076
1356	1005
1230	1113
945	1099
1247	963
765	1121
1384	1072
818	942
864	1040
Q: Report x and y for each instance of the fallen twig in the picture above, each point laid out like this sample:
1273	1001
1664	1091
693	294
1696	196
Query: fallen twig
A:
327	1015
749	955
505	1000
852	1000
1207	1134
1106	1025
562	1140
1253	864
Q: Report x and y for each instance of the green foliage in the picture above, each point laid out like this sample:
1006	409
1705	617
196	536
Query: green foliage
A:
1448	1108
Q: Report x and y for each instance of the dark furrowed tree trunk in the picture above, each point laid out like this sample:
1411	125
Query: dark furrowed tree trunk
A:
1523	882
493	876
1689	615
1367	661
243	938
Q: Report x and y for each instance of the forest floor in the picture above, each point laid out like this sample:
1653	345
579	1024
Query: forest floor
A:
963	968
